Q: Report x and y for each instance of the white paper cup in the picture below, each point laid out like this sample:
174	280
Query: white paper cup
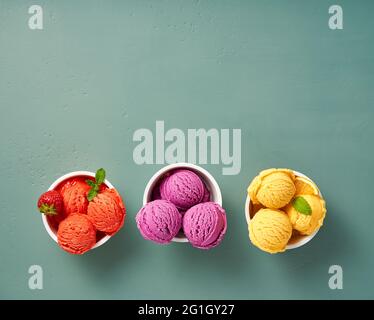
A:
48	227
210	182
302	240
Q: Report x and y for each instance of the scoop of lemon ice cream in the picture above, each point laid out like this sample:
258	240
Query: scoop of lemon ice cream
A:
270	230
307	223
273	188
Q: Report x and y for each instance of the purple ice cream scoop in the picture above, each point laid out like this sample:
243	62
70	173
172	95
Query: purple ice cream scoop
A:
205	225
184	188
159	221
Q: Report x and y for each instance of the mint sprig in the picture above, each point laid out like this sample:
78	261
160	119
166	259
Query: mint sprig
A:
302	206
95	185
100	176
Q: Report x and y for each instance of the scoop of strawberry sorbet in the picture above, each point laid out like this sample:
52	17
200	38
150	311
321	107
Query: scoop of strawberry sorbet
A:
76	234
107	211
74	194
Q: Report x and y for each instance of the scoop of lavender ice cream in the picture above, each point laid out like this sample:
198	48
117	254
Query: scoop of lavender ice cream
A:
205	225
184	188
159	221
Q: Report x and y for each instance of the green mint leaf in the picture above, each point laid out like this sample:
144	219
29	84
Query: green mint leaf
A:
90	183
302	206
91	194
95	186
100	176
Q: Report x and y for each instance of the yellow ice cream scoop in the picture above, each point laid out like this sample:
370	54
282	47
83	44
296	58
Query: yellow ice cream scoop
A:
270	230
273	188
306	213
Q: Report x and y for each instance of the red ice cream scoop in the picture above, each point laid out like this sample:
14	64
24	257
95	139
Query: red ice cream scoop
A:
76	234
74	194
107	211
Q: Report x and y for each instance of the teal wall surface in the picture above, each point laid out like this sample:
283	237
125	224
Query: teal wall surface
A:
72	95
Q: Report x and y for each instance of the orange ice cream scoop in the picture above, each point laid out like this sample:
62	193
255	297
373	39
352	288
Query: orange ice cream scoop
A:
107	211
273	188
307	223
76	234
270	230
74	194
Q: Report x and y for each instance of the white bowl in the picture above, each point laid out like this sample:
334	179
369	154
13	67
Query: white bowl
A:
210	182
303	239
53	233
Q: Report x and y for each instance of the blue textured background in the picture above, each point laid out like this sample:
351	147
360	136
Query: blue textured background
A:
72	95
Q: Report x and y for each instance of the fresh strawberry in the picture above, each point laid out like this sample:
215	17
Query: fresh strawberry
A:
51	203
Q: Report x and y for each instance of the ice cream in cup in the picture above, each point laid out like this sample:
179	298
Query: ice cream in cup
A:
284	210
90	211
192	192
